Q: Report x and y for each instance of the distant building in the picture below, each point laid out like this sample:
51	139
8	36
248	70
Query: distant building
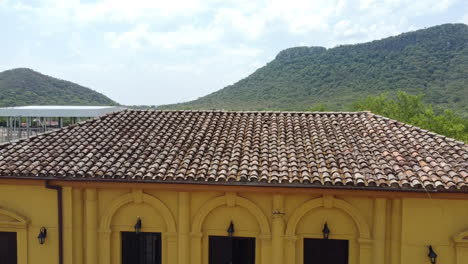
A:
215	187
26	121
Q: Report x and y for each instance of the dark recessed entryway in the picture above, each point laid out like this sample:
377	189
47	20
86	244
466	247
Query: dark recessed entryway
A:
325	251
142	248
235	250
8	250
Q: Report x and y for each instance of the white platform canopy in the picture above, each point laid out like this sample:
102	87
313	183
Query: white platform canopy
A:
58	111
26	121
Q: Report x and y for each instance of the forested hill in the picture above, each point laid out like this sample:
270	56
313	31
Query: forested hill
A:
22	86
433	61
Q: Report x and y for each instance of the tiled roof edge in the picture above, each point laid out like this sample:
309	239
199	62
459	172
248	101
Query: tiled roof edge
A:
250	184
246	112
171	111
449	139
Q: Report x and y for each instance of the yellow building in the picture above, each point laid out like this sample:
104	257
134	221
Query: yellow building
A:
213	187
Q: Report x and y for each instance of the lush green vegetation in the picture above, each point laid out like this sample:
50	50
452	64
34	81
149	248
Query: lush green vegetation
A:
411	110
432	61
141	107
20	87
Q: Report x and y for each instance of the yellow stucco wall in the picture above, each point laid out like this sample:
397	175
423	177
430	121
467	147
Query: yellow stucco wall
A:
380	229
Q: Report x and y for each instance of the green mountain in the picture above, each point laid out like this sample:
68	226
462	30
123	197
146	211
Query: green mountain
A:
22	86
432	61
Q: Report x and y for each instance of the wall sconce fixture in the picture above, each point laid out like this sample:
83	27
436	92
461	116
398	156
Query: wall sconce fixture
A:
325	231
42	235
278	213
138	226
432	255
230	230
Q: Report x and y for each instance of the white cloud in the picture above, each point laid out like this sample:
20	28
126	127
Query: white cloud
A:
242	51
250	25
367	20
252	22
419	8
345	28
366	4
112	10
169	21
465	19
181	44
442	5
75	45
141	36
341	6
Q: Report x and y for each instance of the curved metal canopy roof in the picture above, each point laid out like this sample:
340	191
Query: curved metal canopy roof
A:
59	111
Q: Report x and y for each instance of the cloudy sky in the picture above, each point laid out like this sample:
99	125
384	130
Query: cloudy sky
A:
166	51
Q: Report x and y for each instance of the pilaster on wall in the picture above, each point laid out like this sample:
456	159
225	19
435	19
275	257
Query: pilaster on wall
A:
184	228
461	251
379	230
365	250
77	226
461	248
278	229
91	226
265	248
68	225
395	246
196	247
290	254
172	250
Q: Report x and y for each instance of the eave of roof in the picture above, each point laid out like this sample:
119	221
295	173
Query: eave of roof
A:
390	189
356	129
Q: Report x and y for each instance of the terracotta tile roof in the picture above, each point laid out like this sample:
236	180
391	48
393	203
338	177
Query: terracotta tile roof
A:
355	150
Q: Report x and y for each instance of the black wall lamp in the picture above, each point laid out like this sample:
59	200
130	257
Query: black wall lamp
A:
230	230
138	226
42	235
325	231
432	255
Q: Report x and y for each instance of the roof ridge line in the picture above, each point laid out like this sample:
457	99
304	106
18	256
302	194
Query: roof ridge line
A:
246	111
431	133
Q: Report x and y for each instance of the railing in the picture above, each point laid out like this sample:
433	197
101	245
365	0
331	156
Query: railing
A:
10	134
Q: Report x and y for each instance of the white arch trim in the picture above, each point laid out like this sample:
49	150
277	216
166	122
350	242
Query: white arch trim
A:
328	202
20	221
138	197
231	199
20	226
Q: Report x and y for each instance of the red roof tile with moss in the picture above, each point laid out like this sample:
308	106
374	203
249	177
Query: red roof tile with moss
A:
351	150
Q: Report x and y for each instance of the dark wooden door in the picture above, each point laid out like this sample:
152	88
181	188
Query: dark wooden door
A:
325	251
142	248
235	250
8	250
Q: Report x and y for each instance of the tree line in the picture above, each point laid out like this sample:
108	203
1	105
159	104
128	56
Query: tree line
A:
411	109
